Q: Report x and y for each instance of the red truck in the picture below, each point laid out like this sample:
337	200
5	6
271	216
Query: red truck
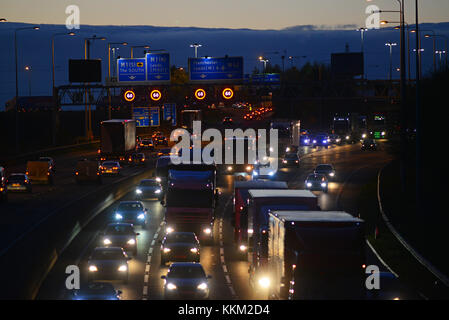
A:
190	199
240	217
260	203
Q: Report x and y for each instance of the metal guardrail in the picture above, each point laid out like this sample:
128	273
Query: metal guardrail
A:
437	273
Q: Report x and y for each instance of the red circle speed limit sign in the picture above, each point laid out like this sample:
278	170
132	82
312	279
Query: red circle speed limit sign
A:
200	94
129	95
155	95
228	93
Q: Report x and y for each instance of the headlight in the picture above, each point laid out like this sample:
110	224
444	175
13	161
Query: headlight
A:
347	137
248	168
314	141
271	173
158	179
169	229
157	191
242	247
118	216
122	268
167	250
264	282
131	242
296	161
229	168
255	173
107	241
363	135
93	269
323	184
250	231
141	216
202	286
138	191
287	149
171	286
383	133
309	184
194	250
271	149
207	230
332	174
284	161
306	141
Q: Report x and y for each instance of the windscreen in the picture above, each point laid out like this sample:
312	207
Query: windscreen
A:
107	255
119	229
130	206
180	237
191	272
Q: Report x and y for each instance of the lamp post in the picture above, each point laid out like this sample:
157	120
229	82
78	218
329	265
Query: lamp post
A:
196	46
264	60
428	36
436	36
391	45
109	75
291	58
88	116
17	82
132	49
440	52
28	70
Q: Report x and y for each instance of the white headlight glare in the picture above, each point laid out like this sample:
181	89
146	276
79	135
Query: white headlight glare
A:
255	173
171	286
106	241
158	179
141	216
207	230
166	250
309	184
169	229
122	268
193	250
138	191
202	286
332	174
264	282
323	184
93	268
271	173
157	191
250	231
242	247
131	242
118	216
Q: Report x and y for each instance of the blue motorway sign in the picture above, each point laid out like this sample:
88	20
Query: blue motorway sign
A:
216	69
266	78
169	112
142	116
154	116
158	66
131	69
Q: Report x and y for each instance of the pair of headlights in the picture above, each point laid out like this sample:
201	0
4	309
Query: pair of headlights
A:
139	191
193	250
122	268
118	216
201	286
130	242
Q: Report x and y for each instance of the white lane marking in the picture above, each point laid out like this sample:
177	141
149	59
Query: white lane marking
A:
221	251
225	269
232	291
149	259
152	242
228	279
147	268
145	279
150	251
380	259
156	235
145	290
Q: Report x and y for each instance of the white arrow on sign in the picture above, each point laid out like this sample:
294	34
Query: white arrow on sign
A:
132	77
203	76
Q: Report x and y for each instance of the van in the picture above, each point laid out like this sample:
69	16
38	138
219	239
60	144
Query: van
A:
39	172
88	171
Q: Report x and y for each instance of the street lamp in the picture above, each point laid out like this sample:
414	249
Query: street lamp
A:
28	70
264	60
196	46
440	52
439	35
53	53
132	49
109	74
291	58
88	117
17	81
391	45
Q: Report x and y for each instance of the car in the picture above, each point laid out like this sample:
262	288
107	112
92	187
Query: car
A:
335	139
146	144
180	246
131	212
306	140
18	182
317	182
326	169
51	163
290	160
160	140
120	235
321	140
88	171
137	159
227	121
164	152
186	280
369	144
3	188
108	263
111	167
97	291
263	171
149	189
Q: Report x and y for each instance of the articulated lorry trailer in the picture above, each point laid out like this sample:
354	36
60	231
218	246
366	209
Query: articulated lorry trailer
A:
260	203
190	199
315	255
117	139
240	217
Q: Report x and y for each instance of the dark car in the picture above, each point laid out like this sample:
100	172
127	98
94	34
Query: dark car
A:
335	139
120	235
317	182
160	140
18	182
108	263
369	144
227	121
325	169
97	291
3	189
131	212
137	159
186	280
321	140
164	152
180	246
290	160
146	144
149	189
110	167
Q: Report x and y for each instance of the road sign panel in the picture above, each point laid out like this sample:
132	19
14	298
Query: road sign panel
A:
142	116
158	66
169	112
129	70
266	78
154	116
216	69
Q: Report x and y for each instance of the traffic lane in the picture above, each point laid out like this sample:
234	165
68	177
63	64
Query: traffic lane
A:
81	247
25	211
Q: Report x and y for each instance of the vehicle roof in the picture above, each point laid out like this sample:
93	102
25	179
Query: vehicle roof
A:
274	193
186	264
120	224
257	184
315	216
180	232
108	249
323	164
131	201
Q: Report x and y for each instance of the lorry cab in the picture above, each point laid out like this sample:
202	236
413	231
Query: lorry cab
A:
39	172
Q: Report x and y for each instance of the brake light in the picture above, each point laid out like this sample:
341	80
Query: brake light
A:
115	168
48	173
76	173
99	151
26	173
98	173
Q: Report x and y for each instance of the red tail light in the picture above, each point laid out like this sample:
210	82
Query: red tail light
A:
76	173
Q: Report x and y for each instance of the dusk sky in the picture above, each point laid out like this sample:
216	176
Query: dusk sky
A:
253	14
